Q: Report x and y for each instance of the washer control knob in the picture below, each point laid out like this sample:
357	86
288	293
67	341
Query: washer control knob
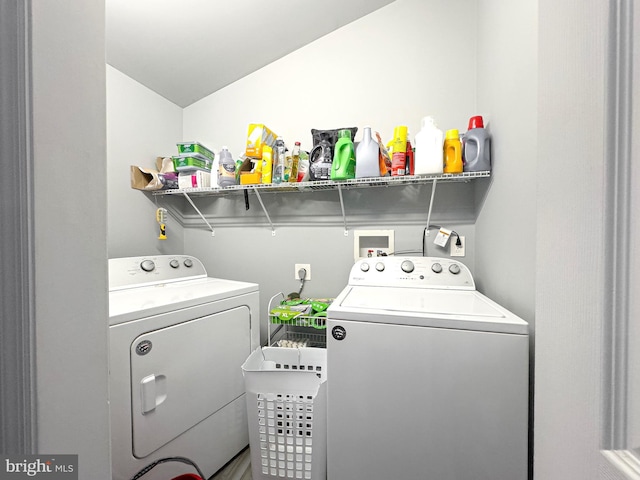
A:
188	262
148	265
364	267
407	266
174	263
436	268
380	266
454	268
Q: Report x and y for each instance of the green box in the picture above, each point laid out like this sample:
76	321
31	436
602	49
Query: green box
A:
191	161
195	147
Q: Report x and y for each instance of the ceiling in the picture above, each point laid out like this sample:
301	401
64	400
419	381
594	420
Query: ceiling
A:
187	49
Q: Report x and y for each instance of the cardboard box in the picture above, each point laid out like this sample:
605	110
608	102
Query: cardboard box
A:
149	179
249	173
258	135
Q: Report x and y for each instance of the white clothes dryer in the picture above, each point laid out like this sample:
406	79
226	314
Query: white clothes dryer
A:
426	377
178	339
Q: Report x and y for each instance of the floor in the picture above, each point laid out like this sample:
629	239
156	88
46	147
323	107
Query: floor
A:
237	469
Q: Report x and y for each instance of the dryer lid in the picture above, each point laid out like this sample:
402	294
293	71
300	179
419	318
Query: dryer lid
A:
134	303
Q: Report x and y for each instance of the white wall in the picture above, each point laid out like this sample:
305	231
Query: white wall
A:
141	125
69	288
402	62
366	73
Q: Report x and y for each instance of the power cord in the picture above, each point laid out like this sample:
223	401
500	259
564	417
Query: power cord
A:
302	273
424	237
153	465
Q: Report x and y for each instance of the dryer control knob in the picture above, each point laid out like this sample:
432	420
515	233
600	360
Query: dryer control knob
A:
454	268
148	265
174	263
364	267
407	266
436	268
380	266
188	263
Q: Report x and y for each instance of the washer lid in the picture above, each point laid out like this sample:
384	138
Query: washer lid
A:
459	309
140	302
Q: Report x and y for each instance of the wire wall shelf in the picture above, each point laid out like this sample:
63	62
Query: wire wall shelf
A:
327	184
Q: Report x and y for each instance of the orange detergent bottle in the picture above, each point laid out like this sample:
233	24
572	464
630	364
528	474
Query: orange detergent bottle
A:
452	152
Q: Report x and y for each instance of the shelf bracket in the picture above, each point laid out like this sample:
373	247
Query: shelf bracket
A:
344	216
264	209
213	233
433	194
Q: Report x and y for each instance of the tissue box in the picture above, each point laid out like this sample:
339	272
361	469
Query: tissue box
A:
257	137
194	179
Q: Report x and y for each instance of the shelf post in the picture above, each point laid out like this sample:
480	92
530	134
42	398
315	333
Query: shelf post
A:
213	233
433	194
344	216
273	230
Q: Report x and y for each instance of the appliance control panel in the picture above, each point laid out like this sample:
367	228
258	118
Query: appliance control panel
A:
418	272
131	272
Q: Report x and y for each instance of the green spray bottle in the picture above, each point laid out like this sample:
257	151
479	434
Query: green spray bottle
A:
344	157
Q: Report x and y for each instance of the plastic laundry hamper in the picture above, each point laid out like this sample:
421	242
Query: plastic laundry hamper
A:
287	412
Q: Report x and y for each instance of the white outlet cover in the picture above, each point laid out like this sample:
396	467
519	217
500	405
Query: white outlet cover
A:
457	251
298	266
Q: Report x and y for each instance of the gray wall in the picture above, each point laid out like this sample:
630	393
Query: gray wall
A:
507	91
141	126
70	237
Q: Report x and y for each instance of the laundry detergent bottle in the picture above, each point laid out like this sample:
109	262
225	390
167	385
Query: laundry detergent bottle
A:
452	152
367	156
429	143
226	169
344	157
476	147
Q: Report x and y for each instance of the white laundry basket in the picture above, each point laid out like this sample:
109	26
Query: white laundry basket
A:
287	412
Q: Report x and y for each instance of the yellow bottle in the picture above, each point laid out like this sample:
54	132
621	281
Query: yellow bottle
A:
399	153
267	163
452	156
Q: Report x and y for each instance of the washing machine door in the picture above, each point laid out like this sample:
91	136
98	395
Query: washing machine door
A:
184	373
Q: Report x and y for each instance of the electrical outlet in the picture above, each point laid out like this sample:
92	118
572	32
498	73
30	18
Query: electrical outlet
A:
457	251
298	266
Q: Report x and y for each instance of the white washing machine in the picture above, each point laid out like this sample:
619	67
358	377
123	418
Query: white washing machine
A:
178	339
426	377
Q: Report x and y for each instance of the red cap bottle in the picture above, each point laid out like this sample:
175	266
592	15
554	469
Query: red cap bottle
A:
476	122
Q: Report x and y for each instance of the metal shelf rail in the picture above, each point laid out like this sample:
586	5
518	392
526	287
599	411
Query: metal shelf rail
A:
301	187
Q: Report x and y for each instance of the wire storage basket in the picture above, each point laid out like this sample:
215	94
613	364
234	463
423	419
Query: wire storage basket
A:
287	412
298	328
